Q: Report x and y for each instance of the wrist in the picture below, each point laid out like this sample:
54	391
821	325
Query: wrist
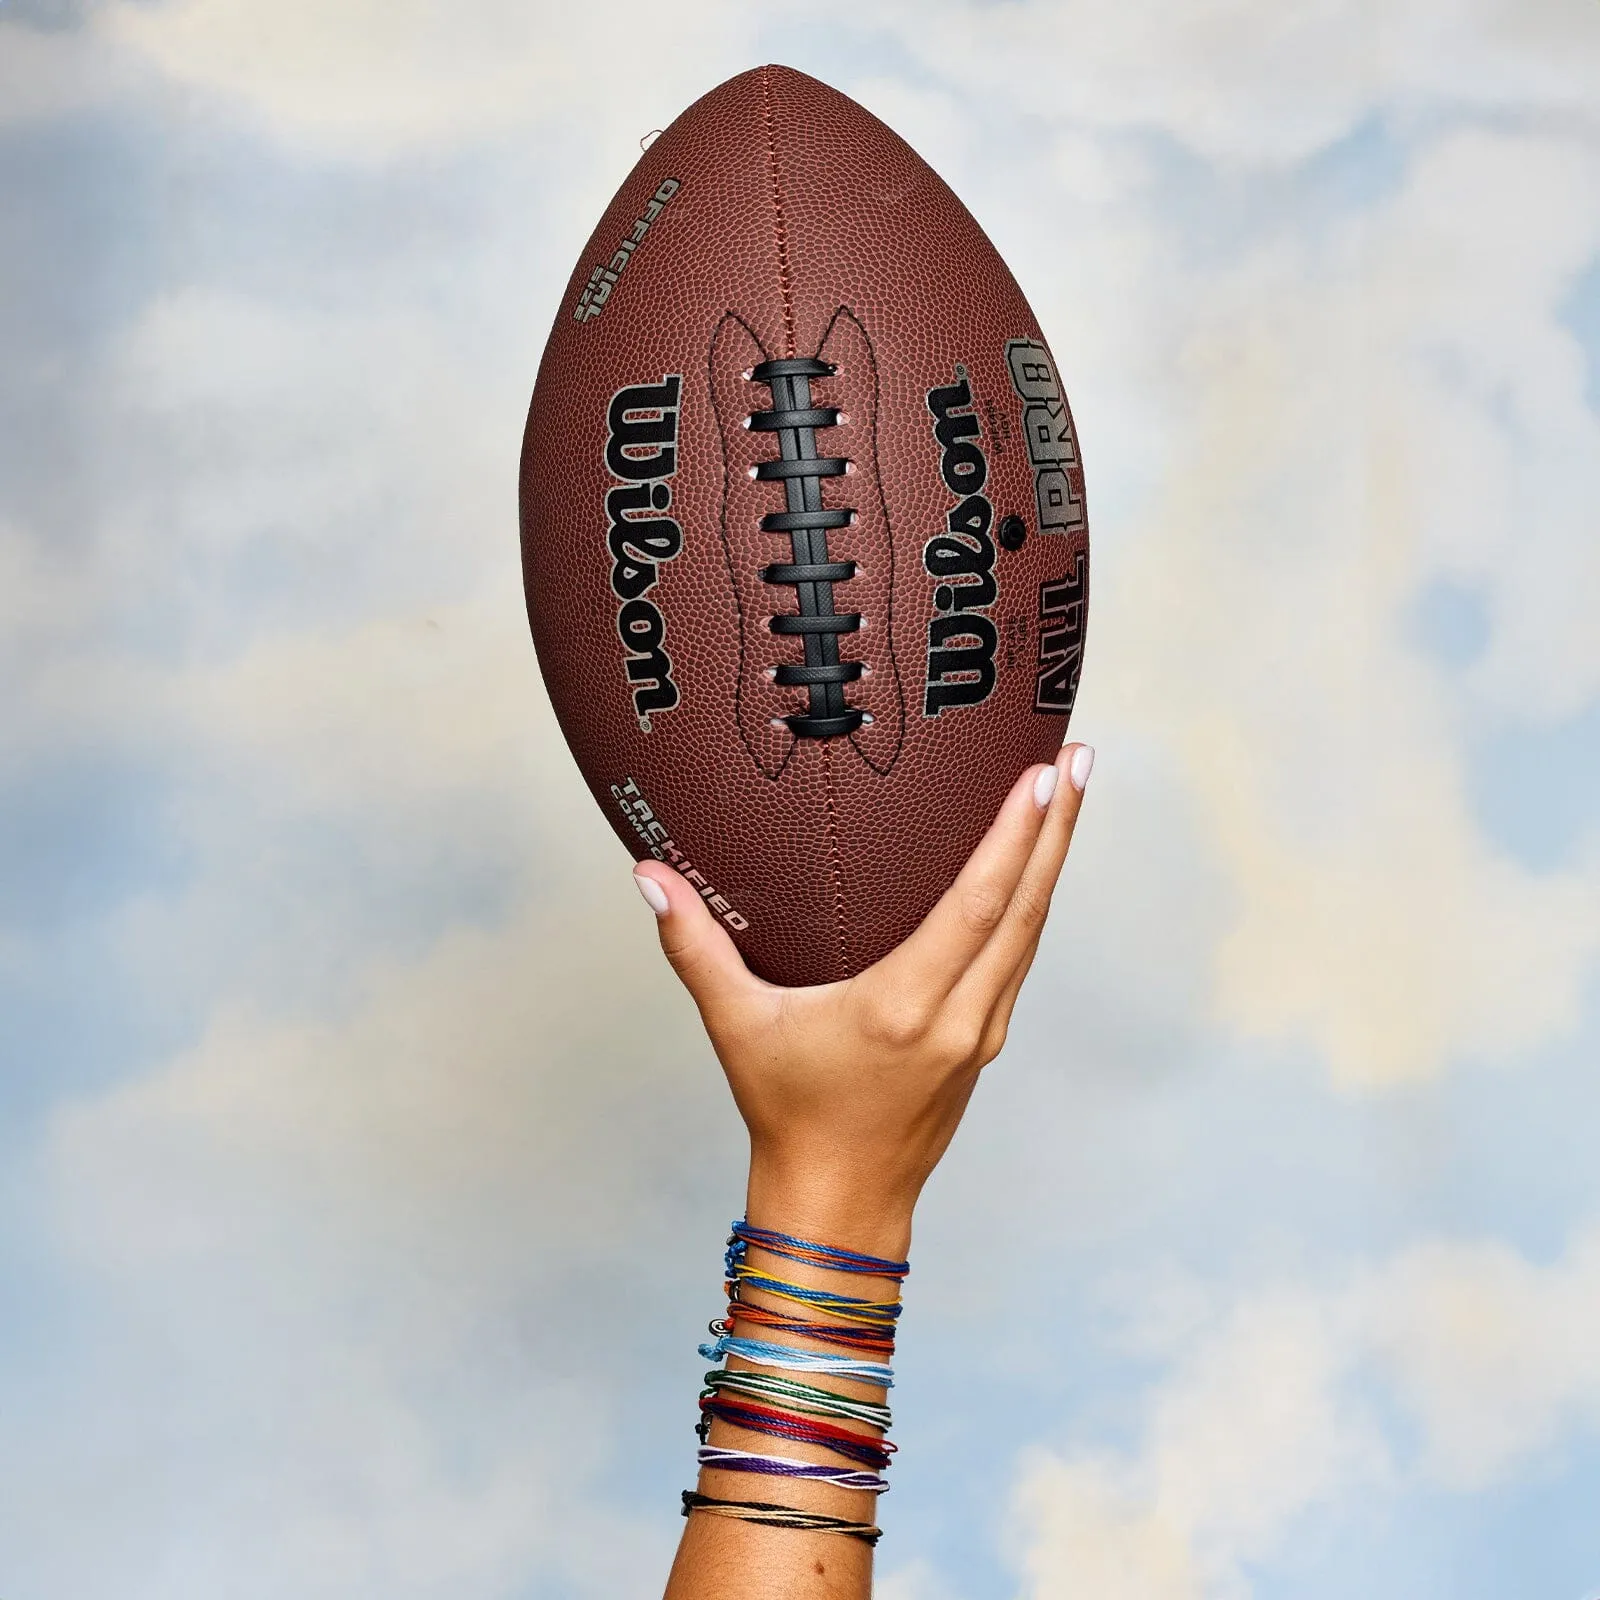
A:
848	1210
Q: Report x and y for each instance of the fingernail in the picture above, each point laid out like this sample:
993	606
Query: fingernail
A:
1081	765
654	895
1044	786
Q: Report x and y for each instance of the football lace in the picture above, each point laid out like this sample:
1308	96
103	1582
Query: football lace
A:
811	573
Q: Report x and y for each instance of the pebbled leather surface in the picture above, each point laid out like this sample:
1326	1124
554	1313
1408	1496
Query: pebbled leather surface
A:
802	226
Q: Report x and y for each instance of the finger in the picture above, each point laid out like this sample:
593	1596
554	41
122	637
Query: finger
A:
999	1019
933	959
1007	948
700	949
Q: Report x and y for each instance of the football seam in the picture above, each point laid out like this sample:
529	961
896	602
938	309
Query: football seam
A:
784	285
786	289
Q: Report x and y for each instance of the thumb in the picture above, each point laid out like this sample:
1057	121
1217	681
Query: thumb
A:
700	949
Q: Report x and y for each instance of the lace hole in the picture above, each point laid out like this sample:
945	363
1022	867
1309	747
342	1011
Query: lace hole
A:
866	718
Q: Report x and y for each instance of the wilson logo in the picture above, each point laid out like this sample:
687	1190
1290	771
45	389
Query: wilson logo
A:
642	453
962	638
1061	615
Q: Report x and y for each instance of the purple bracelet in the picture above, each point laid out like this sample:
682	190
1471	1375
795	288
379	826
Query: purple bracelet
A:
712	1455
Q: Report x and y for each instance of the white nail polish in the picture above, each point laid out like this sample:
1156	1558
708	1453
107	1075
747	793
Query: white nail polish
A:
654	895
1044	786
1081	765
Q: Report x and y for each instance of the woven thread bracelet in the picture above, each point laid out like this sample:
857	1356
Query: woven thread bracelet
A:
852	1446
724	1460
734	1396
812	1255
805	1398
792	1360
847	1307
780	1516
857	1338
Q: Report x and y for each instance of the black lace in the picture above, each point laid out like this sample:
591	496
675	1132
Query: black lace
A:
806	520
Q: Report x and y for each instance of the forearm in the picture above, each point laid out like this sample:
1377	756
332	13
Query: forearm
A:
721	1557
851	1092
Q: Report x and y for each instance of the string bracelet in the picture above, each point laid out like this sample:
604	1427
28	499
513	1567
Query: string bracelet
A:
847	1307
805	1398
852	1446
788	1359
724	1460
812	1255
780	1516
856	1338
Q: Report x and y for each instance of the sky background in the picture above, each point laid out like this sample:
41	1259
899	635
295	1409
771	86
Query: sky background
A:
363	1173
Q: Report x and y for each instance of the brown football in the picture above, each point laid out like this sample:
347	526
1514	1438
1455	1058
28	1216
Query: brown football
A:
803	524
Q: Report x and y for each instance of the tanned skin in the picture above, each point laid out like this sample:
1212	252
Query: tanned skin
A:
851	1093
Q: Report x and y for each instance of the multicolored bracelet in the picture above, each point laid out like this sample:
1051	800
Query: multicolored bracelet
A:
844	1442
847	1307
790	1359
780	1516
787	1408
805	1398
724	1460
857	1338
809	1253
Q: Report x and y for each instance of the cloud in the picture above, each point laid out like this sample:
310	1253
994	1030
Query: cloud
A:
371	81
1223	79
1235	84
1347	404
1494	1355
345	1261
917	1581
1251	1433
46	73
1272	1416
431	1079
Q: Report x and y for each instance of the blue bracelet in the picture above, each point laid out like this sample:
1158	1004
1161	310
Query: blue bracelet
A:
804	1250
792	1360
848	1306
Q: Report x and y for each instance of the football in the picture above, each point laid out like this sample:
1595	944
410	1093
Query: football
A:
803	525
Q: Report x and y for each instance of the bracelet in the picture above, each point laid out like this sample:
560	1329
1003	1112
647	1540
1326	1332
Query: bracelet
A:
724	1460
800	1430
780	1516
802	1397
878	1313
787	1408
814	1255
860	1338
791	1360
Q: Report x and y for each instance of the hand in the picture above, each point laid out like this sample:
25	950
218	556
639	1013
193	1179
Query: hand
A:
852	1091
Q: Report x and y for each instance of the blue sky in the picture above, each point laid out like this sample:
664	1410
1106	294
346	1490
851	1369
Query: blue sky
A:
364	1174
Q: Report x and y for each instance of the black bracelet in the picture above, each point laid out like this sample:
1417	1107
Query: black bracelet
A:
775	1516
